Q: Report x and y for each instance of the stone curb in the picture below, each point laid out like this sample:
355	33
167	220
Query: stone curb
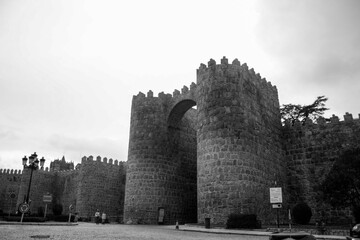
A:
244	232
184	228
39	223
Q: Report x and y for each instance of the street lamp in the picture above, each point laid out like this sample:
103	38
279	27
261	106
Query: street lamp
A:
33	165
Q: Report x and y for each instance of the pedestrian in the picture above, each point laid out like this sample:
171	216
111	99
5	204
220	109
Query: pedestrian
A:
76	218
103	218
97	216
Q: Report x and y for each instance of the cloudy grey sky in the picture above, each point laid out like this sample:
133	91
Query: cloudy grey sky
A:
69	69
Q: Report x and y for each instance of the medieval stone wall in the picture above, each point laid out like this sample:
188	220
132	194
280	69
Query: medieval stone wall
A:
10	184
311	150
65	189
42	183
93	185
101	185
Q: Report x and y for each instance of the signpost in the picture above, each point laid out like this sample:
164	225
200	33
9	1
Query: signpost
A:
276	201
23	208
289	219
47	198
12	196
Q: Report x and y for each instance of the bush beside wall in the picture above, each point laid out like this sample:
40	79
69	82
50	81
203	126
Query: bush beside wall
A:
247	221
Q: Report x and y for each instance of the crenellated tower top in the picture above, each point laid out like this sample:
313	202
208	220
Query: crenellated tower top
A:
235	69
166	97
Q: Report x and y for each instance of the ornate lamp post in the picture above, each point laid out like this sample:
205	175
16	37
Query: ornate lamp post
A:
33	165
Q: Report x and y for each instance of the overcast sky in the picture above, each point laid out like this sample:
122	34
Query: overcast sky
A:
69	68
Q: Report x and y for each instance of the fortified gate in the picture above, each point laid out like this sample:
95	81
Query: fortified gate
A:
207	151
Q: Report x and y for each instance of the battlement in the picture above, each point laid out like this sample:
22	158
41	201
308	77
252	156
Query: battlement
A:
44	171
166	97
19	172
321	121
67	171
10	171
109	162
235	69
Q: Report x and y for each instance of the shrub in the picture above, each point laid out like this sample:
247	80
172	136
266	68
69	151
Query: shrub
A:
242	221
57	209
63	218
302	213
25	219
40	211
356	214
60	218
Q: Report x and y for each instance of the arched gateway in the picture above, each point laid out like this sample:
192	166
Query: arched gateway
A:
185	164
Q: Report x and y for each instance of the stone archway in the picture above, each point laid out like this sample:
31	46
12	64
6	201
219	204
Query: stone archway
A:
178	111
183	151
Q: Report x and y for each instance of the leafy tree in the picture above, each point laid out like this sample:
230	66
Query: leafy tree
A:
57	209
295	112
341	187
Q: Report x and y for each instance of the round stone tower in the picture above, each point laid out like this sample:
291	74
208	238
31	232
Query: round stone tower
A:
161	166
238	141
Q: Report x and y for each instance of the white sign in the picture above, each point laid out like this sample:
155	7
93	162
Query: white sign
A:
47	198
277	205
161	215
275	195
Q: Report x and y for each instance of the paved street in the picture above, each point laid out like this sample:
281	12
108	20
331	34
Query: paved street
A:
93	231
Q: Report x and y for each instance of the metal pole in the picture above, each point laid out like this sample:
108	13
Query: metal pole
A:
10	206
28	192
278	224
45	210
289	219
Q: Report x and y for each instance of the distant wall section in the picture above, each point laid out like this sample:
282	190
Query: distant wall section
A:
94	184
311	150
101	185
42	183
9	187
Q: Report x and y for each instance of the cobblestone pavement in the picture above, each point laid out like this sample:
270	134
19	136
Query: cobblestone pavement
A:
109	231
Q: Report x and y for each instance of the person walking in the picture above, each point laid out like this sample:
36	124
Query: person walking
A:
97	216
103	218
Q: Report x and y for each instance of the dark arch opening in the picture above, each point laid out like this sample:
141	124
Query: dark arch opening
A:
178	112
183	152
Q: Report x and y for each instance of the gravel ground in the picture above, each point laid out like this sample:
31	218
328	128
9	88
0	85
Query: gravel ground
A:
108	231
